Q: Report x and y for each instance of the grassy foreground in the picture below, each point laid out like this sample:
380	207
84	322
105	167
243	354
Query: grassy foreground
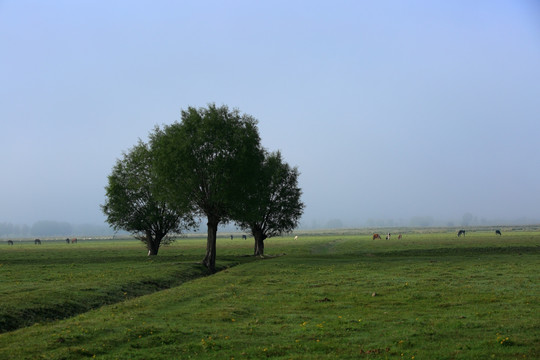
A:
57	280
429	296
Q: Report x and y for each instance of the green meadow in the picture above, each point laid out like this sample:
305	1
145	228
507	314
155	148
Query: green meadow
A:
339	295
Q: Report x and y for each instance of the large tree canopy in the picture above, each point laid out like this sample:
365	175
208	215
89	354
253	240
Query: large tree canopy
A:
132	202
208	160
275	207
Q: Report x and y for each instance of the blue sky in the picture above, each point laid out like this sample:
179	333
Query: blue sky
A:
390	109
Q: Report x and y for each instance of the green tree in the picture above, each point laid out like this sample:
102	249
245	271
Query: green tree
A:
208	160
275	207
132	203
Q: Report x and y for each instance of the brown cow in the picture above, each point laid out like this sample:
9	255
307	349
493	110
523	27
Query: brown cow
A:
376	236
74	240
399	237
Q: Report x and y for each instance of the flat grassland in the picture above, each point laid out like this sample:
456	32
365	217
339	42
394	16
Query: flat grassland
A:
334	296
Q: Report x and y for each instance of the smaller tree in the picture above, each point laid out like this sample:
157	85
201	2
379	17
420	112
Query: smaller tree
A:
132	203
275	207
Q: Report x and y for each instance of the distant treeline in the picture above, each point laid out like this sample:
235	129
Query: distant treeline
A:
53	228
416	221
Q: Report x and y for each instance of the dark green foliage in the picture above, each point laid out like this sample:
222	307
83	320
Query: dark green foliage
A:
275	206
207	161
132	203
211	164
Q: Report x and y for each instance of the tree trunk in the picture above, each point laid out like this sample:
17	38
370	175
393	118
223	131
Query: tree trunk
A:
152	249
152	243
210	258
259	242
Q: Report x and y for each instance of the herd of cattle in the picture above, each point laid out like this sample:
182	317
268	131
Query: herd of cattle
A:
38	241
460	233
375	236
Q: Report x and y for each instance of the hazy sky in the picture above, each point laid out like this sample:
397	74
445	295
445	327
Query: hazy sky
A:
390	109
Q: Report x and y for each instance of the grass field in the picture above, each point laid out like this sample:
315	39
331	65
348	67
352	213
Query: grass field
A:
337	296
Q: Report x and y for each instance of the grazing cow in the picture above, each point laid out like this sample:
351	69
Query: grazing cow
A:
461	232
498	232
376	236
10	242
232	237
37	242
296	237
67	241
244	237
399	237
388	236
74	240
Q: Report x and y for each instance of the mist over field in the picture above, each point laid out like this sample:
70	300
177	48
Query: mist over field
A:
414	113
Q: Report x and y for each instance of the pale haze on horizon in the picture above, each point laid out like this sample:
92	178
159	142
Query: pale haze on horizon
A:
389	109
